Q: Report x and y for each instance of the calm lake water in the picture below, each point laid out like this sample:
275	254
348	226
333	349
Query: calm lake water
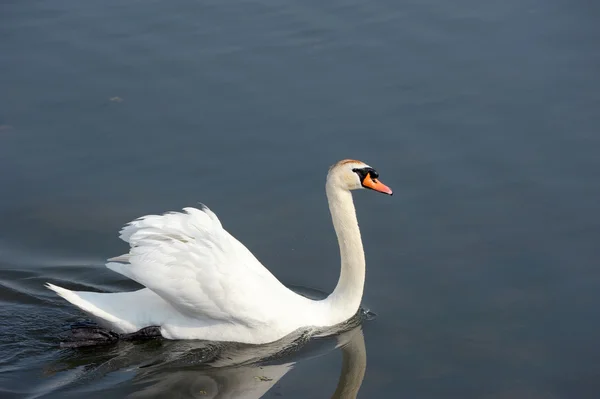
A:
483	117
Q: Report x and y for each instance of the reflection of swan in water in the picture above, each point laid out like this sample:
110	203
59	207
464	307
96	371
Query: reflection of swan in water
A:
354	364
253	380
198	369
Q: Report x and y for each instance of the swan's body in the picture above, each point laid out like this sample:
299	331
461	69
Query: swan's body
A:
201	283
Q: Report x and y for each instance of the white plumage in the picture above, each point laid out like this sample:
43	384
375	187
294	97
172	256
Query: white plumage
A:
202	283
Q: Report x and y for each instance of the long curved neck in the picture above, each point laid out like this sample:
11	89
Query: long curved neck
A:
345	299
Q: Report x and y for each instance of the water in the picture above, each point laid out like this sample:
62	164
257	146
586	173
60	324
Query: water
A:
483	118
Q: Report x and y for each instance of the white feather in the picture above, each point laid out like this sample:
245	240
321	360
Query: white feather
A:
190	261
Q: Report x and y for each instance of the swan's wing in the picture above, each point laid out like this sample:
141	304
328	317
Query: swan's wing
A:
190	261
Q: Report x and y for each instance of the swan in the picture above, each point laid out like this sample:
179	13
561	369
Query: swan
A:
202	283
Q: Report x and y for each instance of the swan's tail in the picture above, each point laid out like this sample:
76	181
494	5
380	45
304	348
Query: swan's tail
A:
91	303
121	312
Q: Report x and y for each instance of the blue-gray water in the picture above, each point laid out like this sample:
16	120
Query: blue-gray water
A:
483	117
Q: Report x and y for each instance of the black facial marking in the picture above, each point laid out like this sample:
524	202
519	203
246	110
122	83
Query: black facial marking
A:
363	172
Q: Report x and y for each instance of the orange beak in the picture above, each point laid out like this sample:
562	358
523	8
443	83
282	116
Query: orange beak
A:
376	185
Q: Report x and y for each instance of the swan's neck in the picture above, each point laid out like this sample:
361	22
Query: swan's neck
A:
345	299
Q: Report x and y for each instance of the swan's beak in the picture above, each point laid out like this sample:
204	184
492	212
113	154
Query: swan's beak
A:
376	185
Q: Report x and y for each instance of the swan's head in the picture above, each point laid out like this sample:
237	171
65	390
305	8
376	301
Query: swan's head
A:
350	174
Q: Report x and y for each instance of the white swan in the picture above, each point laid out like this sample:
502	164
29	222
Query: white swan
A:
201	283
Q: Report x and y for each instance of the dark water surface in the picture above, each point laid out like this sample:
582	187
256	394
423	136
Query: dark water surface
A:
483	117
